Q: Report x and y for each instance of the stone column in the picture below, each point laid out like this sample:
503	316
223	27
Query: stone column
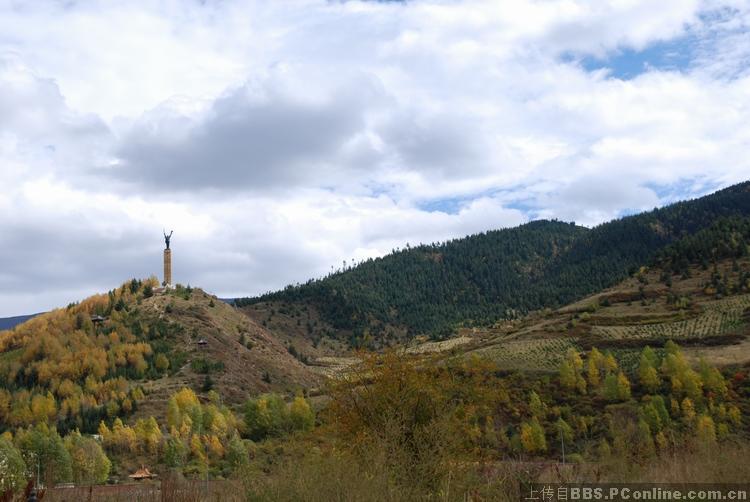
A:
167	267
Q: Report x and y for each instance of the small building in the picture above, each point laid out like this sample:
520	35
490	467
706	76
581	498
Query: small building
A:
98	319
202	342
141	474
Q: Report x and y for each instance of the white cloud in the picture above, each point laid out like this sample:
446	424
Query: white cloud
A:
280	138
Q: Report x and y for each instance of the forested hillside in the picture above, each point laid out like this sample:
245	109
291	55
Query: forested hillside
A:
425	288
497	275
610	251
115	354
131	365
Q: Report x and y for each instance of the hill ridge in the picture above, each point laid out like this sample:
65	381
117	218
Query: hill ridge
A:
497	274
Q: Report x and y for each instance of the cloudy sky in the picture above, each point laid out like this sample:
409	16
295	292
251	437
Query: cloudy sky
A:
278	138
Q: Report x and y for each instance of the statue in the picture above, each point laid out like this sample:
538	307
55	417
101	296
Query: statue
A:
167	237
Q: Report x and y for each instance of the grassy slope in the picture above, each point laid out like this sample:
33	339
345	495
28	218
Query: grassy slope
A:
221	326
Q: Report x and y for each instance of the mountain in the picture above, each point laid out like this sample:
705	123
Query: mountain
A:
125	352
484	278
10	322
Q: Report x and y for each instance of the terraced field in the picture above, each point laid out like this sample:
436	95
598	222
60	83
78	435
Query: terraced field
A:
536	354
718	318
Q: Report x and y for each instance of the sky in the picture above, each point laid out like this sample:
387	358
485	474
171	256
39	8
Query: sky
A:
279	139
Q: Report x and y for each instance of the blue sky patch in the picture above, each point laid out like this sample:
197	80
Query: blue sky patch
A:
627	63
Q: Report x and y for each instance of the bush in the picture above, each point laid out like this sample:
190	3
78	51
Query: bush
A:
269	416
204	366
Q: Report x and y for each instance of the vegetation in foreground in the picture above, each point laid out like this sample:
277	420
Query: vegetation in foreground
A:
400	427
413	429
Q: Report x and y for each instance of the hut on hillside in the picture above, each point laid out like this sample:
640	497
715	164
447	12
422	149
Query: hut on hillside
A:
141	474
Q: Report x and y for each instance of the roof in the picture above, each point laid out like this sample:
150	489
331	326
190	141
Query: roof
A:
142	473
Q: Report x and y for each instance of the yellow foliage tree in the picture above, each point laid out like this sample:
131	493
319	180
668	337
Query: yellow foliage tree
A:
705	429
688	411
532	436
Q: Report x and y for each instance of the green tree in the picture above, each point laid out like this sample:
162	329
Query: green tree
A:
712	379
89	463
610	390
651	356
537	407
647	374
44	447
644	442
175	452
12	467
266	416
148	434
661	410
651	417
564	430
161	363
237	454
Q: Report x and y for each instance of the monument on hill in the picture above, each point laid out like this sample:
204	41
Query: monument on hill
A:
167	260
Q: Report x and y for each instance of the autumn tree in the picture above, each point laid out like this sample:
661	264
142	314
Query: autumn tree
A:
148	434
623	387
594	365
688	411
705	429
712	379
532	436
567	376
647	374
301	415
89	463
571	372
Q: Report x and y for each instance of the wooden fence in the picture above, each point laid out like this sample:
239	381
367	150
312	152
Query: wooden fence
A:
160	491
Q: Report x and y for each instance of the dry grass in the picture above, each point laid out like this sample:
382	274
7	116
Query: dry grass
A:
168	490
716	463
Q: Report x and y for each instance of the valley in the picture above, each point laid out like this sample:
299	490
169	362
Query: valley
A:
508	350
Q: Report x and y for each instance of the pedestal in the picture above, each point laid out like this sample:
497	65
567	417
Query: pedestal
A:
167	267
